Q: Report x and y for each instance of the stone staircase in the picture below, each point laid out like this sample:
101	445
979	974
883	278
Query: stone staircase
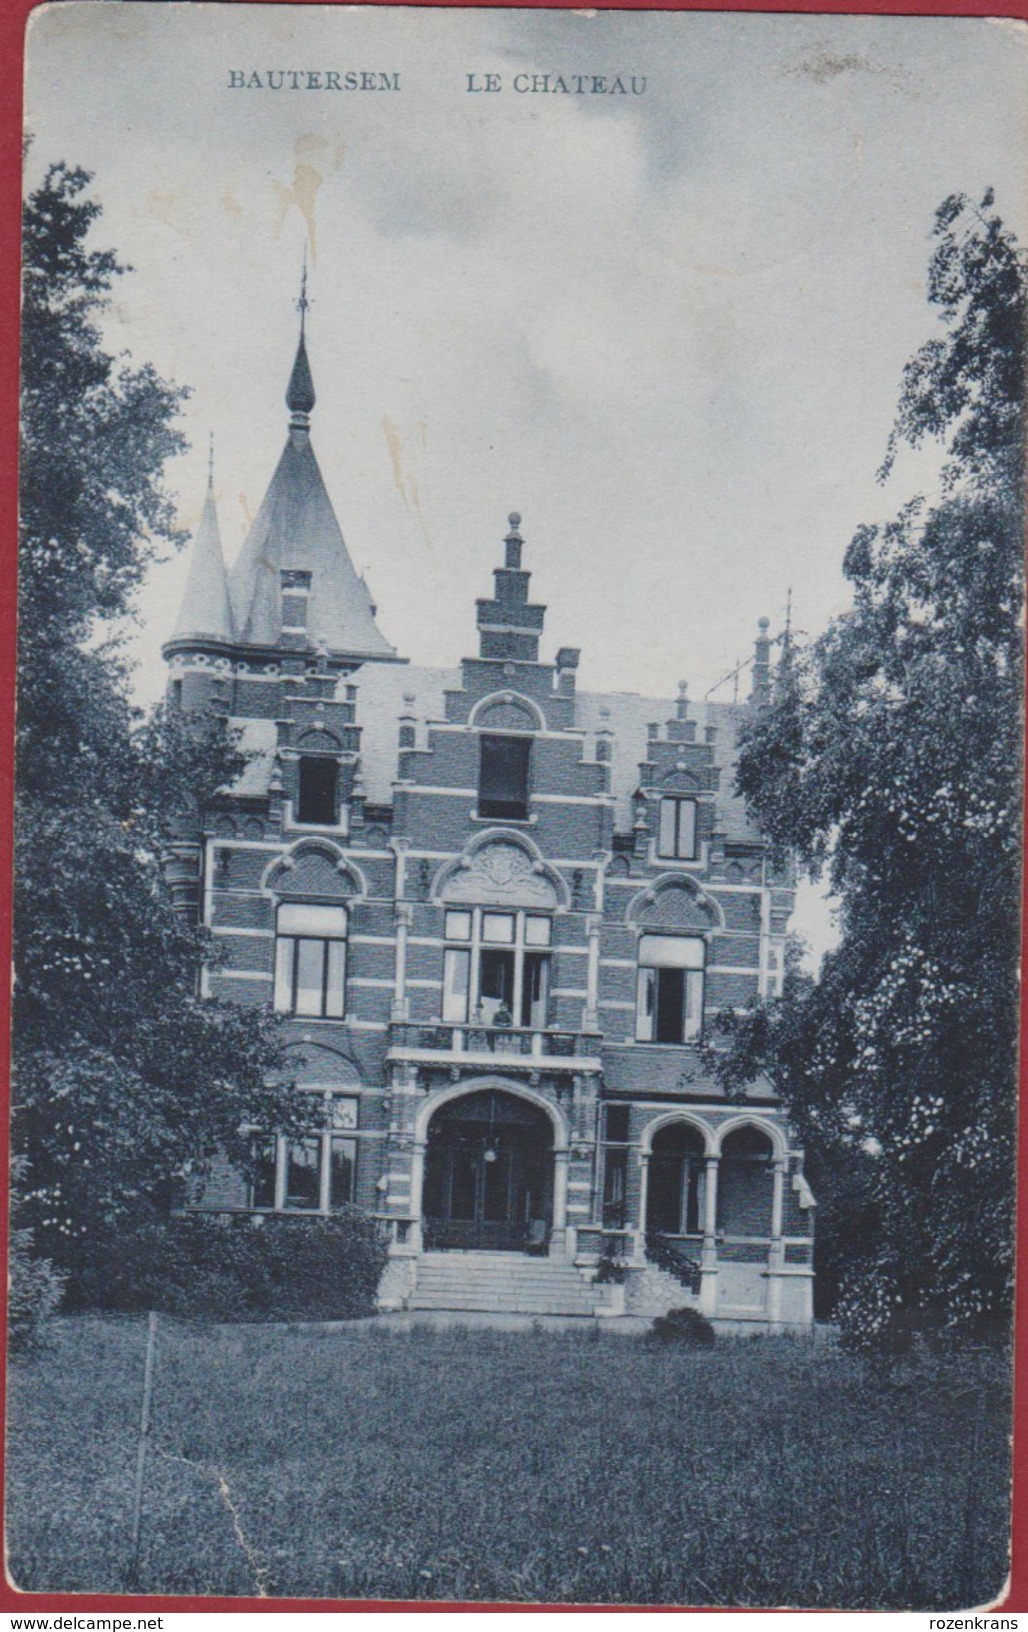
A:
503	1283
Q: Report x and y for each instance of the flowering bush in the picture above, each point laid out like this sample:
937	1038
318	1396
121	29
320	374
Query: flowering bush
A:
34	1293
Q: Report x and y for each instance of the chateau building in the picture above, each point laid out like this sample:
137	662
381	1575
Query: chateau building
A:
498	913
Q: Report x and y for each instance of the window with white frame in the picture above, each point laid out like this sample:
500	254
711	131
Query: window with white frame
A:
310	960
676	838
670	990
312	1175
496	967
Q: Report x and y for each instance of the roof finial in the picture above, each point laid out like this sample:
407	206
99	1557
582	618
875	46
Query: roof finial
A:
210	459
300	397
303	303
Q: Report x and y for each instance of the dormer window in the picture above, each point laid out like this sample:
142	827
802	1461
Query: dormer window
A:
318	790
677	835
503	778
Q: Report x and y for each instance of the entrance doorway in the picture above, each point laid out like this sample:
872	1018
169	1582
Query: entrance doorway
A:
489	1175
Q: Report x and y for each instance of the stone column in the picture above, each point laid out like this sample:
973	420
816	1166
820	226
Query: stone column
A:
708	1259
403	918
560	1192
590	1019
417	1184
776	1249
639	1248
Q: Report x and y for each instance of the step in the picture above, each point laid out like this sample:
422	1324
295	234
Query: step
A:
547	1277
499	1306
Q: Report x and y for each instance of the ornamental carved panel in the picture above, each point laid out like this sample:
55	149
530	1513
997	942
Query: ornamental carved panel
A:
501	874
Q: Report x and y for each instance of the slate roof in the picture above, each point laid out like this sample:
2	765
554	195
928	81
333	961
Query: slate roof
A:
206	611
296	528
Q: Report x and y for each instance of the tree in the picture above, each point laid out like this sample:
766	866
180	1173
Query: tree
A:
126	1080
890	754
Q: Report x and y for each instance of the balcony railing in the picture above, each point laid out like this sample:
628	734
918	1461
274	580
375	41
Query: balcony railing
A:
515	1044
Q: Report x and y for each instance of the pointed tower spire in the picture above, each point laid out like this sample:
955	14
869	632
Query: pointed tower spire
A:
293	582
206	611
300	395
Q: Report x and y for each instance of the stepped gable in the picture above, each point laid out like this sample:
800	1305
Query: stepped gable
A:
628	716
296	534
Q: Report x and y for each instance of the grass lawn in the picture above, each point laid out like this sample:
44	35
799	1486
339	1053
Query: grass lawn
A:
547	1466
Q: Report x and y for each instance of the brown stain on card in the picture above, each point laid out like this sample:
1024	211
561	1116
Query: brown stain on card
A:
404	479
315	159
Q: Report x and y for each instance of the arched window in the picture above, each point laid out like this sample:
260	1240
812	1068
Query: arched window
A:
310	960
674	1201
670	989
745	1183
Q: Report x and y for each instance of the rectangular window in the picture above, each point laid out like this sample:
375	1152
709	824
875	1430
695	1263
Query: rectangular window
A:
496	987
538	931
310	960
677	838
503	777
615	1187
670	991
318	782
262	1188
314	1174
498	928
456	981
303	1176
501	974
342	1160
616	1124
535	990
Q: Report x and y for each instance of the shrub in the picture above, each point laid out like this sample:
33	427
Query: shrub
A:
684	1326
611	1269
34	1293
282	1268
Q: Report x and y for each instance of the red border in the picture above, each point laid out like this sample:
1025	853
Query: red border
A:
13	19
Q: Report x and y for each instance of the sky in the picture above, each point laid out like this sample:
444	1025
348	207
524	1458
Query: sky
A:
668	328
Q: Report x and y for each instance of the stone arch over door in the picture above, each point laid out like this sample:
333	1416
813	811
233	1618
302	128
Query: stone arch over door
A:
559	1138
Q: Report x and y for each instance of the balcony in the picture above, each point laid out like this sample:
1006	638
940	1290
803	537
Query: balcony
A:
513	1048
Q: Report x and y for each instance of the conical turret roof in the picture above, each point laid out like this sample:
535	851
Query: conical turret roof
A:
206	610
296	529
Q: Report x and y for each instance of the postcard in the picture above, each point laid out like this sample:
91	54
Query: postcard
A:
518	806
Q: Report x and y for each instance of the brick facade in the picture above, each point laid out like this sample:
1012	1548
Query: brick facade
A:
496	911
